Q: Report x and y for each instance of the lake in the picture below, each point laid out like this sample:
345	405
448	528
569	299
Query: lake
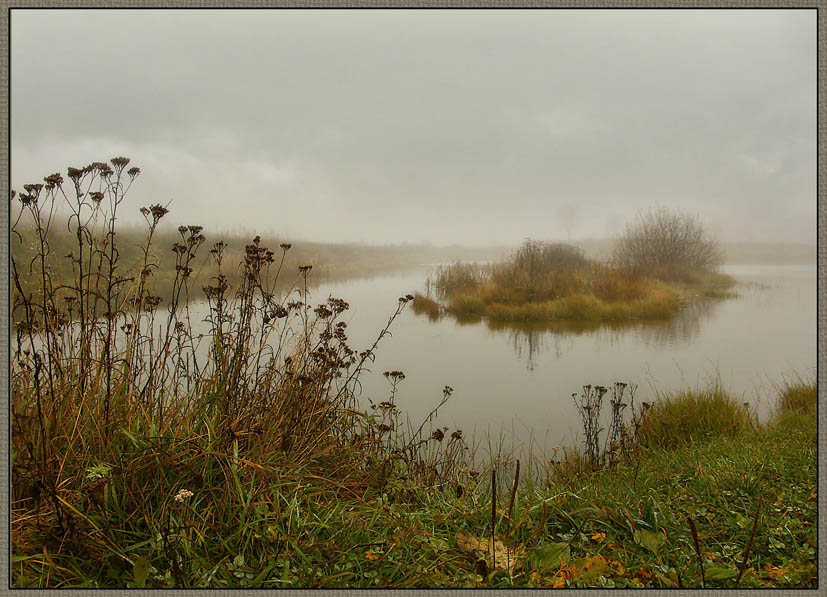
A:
516	381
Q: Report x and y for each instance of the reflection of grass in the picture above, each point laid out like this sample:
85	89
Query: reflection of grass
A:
422	305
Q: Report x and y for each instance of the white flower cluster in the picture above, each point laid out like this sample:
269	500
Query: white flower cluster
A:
182	495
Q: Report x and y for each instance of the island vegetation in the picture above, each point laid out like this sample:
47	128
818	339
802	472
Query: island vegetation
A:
146	455
663	261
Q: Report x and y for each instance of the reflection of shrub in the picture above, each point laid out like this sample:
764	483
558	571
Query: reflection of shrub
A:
667	240
422	305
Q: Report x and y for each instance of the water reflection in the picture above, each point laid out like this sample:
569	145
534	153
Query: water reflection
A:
531	339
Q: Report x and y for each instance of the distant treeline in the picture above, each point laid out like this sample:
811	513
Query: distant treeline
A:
329	260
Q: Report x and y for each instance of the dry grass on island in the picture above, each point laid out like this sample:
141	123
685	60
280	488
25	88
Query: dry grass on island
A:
663	261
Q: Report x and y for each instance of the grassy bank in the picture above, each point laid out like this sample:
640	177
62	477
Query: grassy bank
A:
144	454
625	527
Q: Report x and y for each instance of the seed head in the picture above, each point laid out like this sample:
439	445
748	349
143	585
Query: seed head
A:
119	162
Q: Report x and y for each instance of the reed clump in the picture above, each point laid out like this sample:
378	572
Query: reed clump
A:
138	435
546	282
799	396
693	415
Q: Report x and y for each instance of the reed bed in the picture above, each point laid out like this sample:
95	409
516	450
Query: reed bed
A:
552	282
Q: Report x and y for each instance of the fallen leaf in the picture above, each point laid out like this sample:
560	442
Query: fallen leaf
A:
588	568
598	536
140	571
616	568
496	554
645	574
560	583
720	573
551	555
650	540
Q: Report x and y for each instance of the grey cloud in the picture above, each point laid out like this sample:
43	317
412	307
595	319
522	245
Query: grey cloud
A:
449	126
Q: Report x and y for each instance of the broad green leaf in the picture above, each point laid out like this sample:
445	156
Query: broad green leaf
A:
649	540
720	573
550	555
140	571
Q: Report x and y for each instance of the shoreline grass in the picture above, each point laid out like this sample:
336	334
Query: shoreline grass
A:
145	455
623	527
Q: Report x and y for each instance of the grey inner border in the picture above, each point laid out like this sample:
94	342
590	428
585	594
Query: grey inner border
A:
5	547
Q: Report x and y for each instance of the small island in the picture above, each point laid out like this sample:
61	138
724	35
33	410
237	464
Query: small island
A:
663	261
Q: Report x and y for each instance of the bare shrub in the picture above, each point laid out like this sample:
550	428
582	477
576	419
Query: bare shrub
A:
664	238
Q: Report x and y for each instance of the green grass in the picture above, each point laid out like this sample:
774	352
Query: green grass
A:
694	415
133	465
799	396
630	525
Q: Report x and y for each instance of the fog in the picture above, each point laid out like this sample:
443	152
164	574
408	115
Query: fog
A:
471	127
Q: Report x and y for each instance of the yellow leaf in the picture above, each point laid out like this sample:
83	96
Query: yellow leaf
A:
616	567
592	567
599	536
496	554
372	555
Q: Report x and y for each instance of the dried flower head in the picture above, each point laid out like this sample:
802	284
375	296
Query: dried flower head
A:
119	162
133	172
96	196
53	180
158	211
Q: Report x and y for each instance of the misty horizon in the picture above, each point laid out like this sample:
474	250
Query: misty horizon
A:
474	128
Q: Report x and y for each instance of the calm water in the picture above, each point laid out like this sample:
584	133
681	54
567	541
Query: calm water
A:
519	379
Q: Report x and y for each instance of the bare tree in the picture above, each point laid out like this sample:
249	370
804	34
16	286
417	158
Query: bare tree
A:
667	238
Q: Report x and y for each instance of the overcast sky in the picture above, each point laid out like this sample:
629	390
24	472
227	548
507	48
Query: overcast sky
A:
475	127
